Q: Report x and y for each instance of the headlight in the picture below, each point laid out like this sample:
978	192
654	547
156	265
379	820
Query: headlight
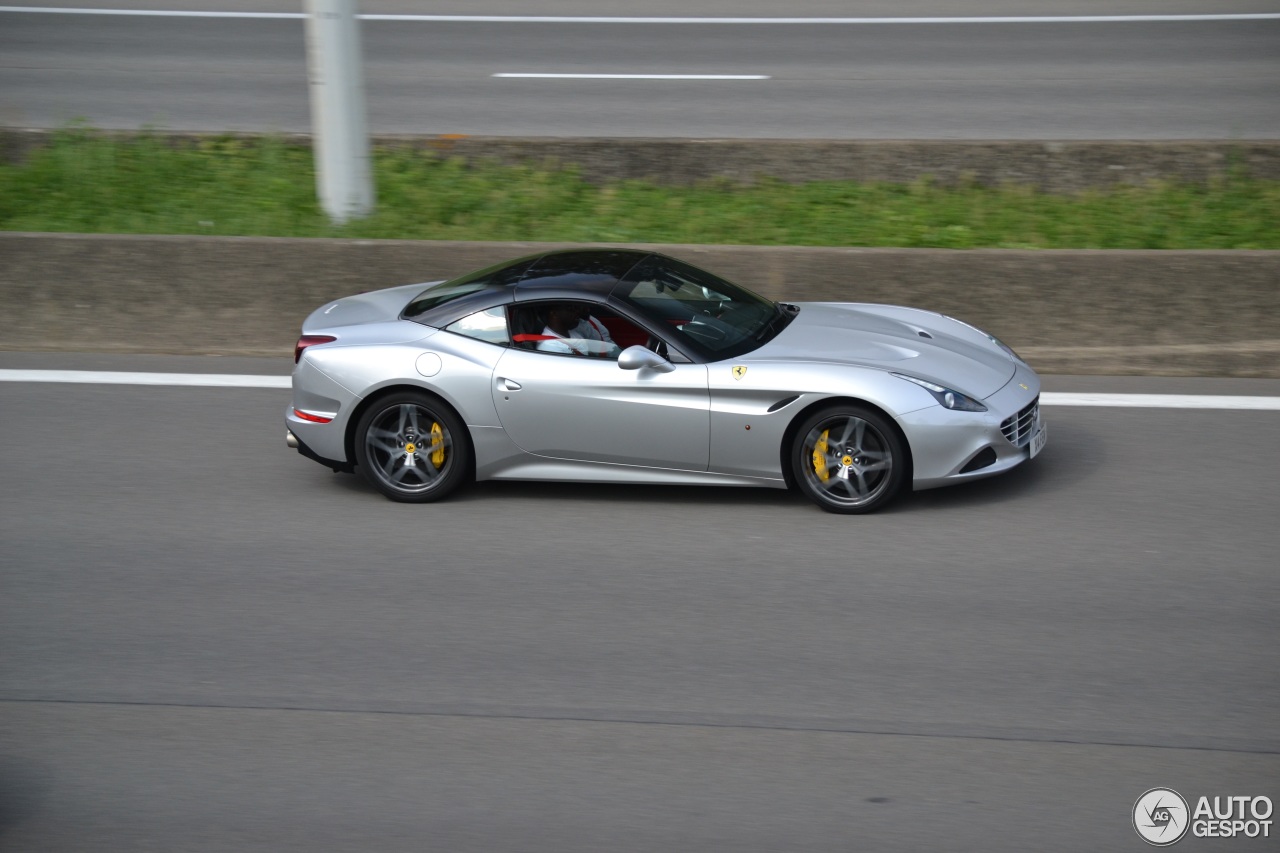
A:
946	397
1007	349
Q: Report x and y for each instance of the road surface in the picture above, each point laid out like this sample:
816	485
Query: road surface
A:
1039	78
211	643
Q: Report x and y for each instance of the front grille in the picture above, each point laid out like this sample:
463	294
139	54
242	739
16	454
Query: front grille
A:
1017	428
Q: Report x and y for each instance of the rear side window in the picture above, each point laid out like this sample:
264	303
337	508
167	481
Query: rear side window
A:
489	326
501	275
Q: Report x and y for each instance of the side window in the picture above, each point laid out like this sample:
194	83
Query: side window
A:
564	328
489	326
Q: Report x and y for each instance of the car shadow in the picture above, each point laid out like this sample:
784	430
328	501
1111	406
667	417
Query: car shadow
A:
23	788
617	493
1071	456
633	493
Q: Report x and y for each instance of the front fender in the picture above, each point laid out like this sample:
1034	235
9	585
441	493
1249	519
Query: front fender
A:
752	409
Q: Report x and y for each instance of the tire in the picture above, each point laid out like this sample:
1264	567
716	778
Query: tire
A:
848	459
412	448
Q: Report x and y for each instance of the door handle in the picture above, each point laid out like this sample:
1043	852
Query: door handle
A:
508	385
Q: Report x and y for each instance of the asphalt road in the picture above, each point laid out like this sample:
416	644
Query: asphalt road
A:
1107	80
211	643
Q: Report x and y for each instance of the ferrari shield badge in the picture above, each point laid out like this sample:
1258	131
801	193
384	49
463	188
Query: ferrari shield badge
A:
739	371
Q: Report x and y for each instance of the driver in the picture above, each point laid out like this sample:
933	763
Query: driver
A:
561	333
589	327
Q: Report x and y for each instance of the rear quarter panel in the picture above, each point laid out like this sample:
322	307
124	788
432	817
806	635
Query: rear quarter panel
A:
457	369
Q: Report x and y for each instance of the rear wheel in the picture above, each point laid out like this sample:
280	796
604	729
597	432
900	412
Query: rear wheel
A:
412	448
848	459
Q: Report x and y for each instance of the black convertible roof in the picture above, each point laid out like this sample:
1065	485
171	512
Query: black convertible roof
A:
567	273
577	270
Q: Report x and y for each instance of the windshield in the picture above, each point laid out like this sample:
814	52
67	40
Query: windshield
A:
711	316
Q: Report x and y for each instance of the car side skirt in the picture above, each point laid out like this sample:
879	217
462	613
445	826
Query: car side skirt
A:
498	458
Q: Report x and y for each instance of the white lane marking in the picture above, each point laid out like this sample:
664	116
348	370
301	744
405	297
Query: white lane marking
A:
231	380
637	76
1076	19
595	19
151	13
105	377
1160	401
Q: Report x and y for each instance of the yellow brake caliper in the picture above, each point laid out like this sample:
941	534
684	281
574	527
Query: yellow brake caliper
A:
437	445
820	457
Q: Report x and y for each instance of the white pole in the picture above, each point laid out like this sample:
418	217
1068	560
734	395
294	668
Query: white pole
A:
344	180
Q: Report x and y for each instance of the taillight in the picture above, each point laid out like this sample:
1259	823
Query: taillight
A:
310	340
315	419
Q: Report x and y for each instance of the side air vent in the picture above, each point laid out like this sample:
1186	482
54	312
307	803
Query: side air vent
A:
782	404
922	333
985	457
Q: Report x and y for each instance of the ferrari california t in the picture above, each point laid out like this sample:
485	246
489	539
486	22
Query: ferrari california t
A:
624	366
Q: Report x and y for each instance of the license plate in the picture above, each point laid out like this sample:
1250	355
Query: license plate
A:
1038	441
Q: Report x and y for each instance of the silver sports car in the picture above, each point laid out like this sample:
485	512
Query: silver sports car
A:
620	366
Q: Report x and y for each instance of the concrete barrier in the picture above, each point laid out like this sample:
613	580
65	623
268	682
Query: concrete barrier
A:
1195	313
1067	166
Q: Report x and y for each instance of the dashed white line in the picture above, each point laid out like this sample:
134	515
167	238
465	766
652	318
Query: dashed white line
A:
152	13
231	380
635	76
601	19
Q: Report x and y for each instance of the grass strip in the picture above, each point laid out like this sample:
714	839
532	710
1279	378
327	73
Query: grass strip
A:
90	183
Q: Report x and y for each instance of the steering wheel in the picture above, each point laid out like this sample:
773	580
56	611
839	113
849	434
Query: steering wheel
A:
714	312
703	332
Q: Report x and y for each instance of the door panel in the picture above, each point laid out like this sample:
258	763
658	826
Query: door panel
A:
570	407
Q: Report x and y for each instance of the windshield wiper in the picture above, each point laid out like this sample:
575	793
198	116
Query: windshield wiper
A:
781	311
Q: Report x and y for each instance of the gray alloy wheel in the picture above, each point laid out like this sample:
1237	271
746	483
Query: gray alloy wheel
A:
848	459
412	448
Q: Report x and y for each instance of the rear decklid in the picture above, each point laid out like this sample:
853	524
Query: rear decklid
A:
376	306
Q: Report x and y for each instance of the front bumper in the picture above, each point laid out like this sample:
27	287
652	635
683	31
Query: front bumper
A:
953	447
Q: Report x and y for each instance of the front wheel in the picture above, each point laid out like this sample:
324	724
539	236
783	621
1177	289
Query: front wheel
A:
412	448
848	459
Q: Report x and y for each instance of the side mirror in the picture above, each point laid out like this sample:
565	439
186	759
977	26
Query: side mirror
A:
636	357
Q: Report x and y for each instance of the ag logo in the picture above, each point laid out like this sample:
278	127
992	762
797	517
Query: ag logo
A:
1160	816
739	371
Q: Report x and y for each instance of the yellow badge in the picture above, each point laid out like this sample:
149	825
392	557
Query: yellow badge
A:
739	371
1023	387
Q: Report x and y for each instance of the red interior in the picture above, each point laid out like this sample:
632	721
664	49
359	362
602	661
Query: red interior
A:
624	332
